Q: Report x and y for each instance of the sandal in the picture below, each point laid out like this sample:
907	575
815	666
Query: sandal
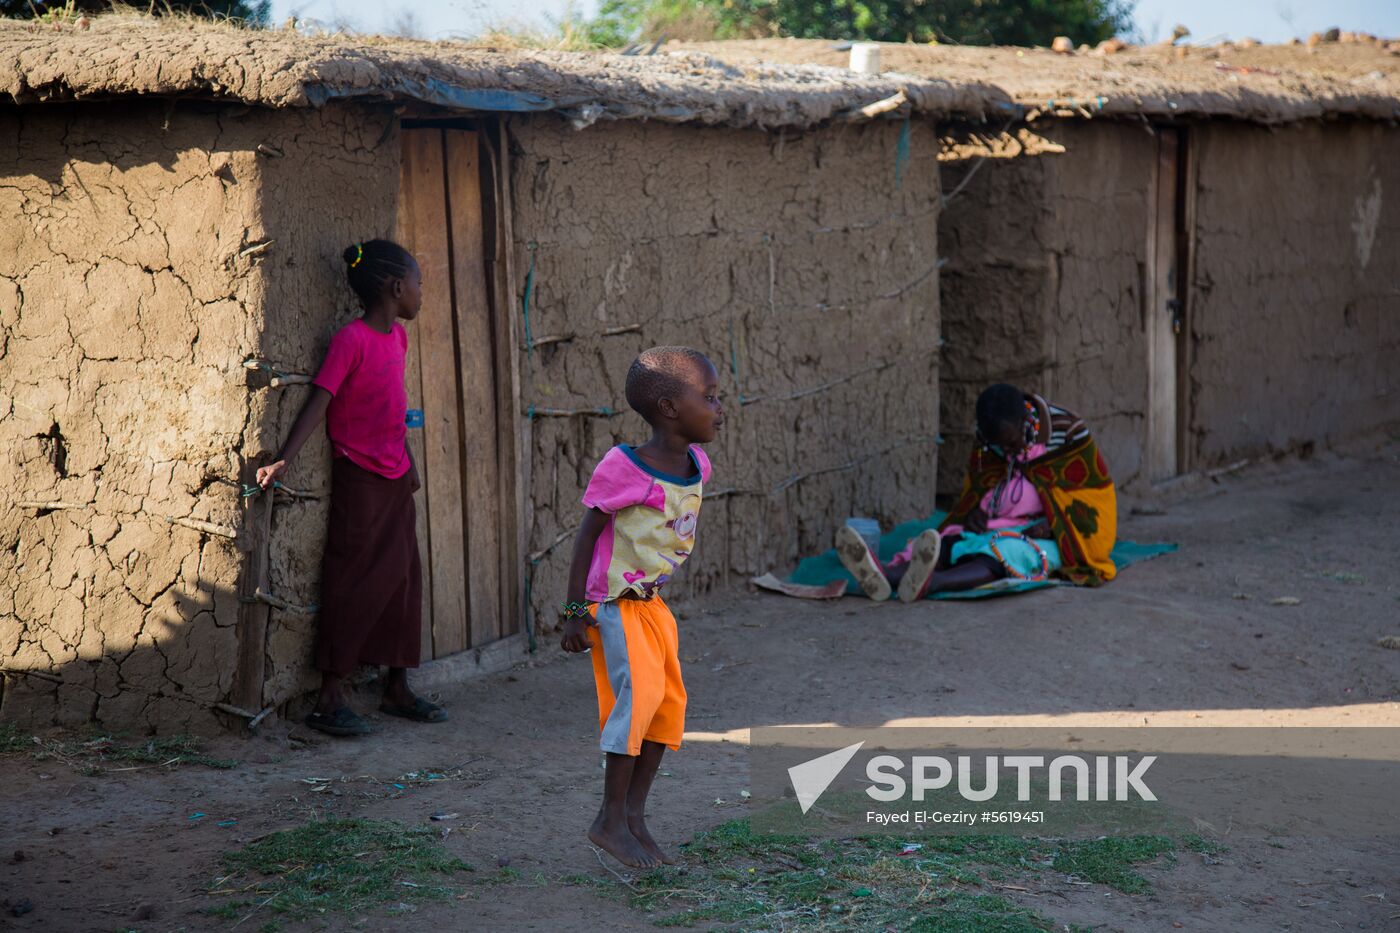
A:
420	711
341	722
922	562
855	556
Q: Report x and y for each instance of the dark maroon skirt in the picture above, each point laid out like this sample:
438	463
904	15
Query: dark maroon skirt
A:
372	577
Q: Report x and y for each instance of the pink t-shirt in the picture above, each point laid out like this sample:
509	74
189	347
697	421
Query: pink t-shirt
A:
1019	505
652	518
364	372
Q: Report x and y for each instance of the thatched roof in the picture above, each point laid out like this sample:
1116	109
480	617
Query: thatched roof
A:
1261	83
125	56
770	83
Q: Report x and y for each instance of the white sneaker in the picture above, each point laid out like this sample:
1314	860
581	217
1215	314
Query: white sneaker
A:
856	557
914	584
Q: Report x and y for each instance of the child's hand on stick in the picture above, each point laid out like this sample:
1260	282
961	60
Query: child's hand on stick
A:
271	473
310	416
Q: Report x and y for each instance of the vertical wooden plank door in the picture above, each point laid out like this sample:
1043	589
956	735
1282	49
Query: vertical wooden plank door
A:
453	379
1163	311
1186	177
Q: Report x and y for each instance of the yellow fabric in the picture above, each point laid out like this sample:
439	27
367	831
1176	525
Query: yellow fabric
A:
1080	503
1096	545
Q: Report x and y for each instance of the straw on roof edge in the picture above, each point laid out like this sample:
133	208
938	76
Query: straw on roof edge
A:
758	84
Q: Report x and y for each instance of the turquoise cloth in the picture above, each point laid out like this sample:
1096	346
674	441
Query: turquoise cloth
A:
1020	553
825	568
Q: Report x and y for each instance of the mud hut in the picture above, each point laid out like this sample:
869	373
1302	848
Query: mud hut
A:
177	200
1193	247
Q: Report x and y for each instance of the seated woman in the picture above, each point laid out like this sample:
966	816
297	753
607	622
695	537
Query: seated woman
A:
1037	501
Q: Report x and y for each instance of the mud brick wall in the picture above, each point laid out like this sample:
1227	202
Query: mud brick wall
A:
124	308
1294	310
1043	287
795	262
994	291
156	250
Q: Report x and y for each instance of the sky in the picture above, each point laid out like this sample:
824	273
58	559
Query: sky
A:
1208	20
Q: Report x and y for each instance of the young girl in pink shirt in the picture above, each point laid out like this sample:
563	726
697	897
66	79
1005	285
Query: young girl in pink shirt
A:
371	579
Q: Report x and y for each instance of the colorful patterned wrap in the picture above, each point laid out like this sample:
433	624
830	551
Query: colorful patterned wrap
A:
1080	502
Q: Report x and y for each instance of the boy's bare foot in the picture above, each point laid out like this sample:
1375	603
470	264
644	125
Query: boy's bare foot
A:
618	842
638	827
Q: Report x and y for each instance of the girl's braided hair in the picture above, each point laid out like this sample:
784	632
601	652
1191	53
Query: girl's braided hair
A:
371	265
997	405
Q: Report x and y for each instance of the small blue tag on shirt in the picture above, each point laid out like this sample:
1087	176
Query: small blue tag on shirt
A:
414	418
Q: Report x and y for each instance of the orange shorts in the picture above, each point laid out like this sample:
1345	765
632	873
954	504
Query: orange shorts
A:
637	670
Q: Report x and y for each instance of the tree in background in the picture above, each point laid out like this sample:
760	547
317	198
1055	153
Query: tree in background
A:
964	22
252	12
621	22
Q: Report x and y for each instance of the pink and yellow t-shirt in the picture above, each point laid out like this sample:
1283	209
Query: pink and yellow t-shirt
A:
651	523
364	372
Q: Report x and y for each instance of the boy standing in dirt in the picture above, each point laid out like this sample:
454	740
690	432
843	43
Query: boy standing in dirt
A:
643	504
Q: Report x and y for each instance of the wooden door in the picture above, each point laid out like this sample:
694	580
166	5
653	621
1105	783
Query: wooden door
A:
454	377
1168	247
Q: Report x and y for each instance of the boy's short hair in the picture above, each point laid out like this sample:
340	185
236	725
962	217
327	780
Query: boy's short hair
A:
659	373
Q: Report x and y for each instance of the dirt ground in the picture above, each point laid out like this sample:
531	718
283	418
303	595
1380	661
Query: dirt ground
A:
1171	640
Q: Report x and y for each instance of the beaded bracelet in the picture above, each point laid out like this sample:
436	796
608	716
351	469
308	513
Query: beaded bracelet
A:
1012	571
574	610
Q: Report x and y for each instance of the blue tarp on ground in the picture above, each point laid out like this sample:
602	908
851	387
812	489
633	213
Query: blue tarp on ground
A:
826	568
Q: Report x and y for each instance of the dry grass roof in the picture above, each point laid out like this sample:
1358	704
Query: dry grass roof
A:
124	56
1263	83
768	83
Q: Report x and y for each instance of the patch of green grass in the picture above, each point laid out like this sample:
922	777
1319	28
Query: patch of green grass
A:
89	754
505	875
1201	844
12	740
170	751
341	865
733	875
1344	576
1109	860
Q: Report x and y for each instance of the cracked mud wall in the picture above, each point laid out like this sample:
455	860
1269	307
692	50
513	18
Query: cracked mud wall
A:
1043	287
1294	311
795	262
152	239
993	294
124	308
